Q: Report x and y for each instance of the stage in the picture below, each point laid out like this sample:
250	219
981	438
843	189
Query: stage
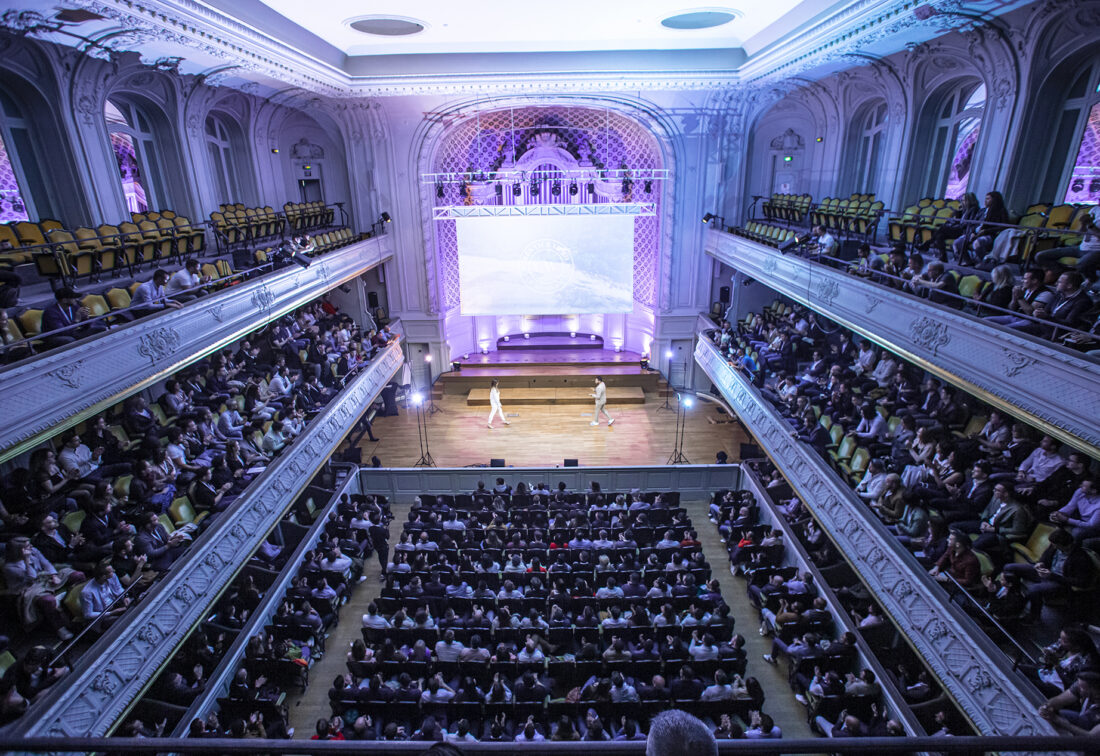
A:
548	423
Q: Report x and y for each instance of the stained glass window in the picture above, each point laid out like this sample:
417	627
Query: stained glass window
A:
12	206
1084	180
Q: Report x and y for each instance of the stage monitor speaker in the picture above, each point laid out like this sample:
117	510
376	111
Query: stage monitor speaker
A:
372	299
724	295
570	463
495	462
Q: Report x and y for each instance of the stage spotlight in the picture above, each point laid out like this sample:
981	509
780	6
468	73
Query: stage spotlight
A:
688	402
708	218
427	358
516	190
534	189
591	337
499	189
507	338
385	217
417	398
526	335
439	191
556	189
591	187
648	186
573	189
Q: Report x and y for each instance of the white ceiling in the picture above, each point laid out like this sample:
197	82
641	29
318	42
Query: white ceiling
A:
495	26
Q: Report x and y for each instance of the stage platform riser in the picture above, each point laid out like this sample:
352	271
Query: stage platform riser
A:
456	383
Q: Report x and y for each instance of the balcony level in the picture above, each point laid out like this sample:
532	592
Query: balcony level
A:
110	676
1037	381
972	669
58	389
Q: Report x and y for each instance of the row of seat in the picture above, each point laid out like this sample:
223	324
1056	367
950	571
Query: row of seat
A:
858	214
765	233
791	208
28	324
303	216
325	242
236	223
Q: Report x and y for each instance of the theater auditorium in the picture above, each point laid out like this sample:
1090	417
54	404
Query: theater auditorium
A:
626	377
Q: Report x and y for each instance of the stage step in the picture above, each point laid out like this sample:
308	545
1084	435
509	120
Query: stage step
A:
561	396
531	357
558	340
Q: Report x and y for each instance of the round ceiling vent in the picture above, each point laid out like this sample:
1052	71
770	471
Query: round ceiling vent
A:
387	26
699	19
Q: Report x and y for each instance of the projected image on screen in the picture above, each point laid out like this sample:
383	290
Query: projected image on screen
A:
534	265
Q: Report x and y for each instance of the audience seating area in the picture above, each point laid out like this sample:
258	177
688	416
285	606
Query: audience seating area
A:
984	503
791	208
858	215
528	615
236	224
303	216
130	488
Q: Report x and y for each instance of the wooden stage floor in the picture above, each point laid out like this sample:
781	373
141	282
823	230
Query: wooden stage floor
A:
543	436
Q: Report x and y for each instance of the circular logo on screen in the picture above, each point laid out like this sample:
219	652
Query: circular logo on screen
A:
548	265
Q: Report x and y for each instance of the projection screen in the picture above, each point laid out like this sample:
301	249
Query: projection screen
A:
539	265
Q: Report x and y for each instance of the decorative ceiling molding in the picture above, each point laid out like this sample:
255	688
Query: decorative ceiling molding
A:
189	25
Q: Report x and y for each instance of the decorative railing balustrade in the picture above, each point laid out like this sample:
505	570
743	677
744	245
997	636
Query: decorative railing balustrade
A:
1037	381
46	394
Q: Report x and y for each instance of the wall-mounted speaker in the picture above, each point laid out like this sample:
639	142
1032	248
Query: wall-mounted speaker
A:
724	295
495	462
570	463
372	299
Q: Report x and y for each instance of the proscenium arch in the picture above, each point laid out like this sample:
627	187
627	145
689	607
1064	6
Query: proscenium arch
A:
433	130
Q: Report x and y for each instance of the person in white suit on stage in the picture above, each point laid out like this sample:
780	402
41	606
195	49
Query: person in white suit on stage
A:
600	395
494	402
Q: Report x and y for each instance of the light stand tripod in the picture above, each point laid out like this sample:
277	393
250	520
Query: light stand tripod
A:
432	409
666	407
422	437
683	404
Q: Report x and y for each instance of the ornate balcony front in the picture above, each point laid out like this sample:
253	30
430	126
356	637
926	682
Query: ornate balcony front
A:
46	394
109	676
972	669
1037	381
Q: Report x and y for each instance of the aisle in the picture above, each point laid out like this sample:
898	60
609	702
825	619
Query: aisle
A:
778	699
306	708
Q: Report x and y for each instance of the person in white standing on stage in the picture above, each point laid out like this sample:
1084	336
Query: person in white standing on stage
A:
494	402
600	395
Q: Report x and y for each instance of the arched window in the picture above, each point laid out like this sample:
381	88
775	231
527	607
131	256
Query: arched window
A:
22	188
220	147
871	134
134	145
955	137
1074	169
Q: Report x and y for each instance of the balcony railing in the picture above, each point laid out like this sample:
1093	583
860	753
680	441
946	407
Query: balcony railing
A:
1042	384
110	676
971	668
53	391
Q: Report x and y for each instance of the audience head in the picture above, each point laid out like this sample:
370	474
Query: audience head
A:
677	733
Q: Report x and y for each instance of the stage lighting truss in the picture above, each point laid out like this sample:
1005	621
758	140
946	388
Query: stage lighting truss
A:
451	212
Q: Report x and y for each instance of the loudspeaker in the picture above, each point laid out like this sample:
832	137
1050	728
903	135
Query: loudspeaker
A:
724	295
494	462
372	299
570	463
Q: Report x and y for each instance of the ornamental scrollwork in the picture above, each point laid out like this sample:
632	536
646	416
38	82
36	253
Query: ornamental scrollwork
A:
827	291
159	344
71	375
262	299
1015	362
929	334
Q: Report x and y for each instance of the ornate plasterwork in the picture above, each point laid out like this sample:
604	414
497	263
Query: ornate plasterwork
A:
91	374
197	26
107	678
974	671
1034	380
